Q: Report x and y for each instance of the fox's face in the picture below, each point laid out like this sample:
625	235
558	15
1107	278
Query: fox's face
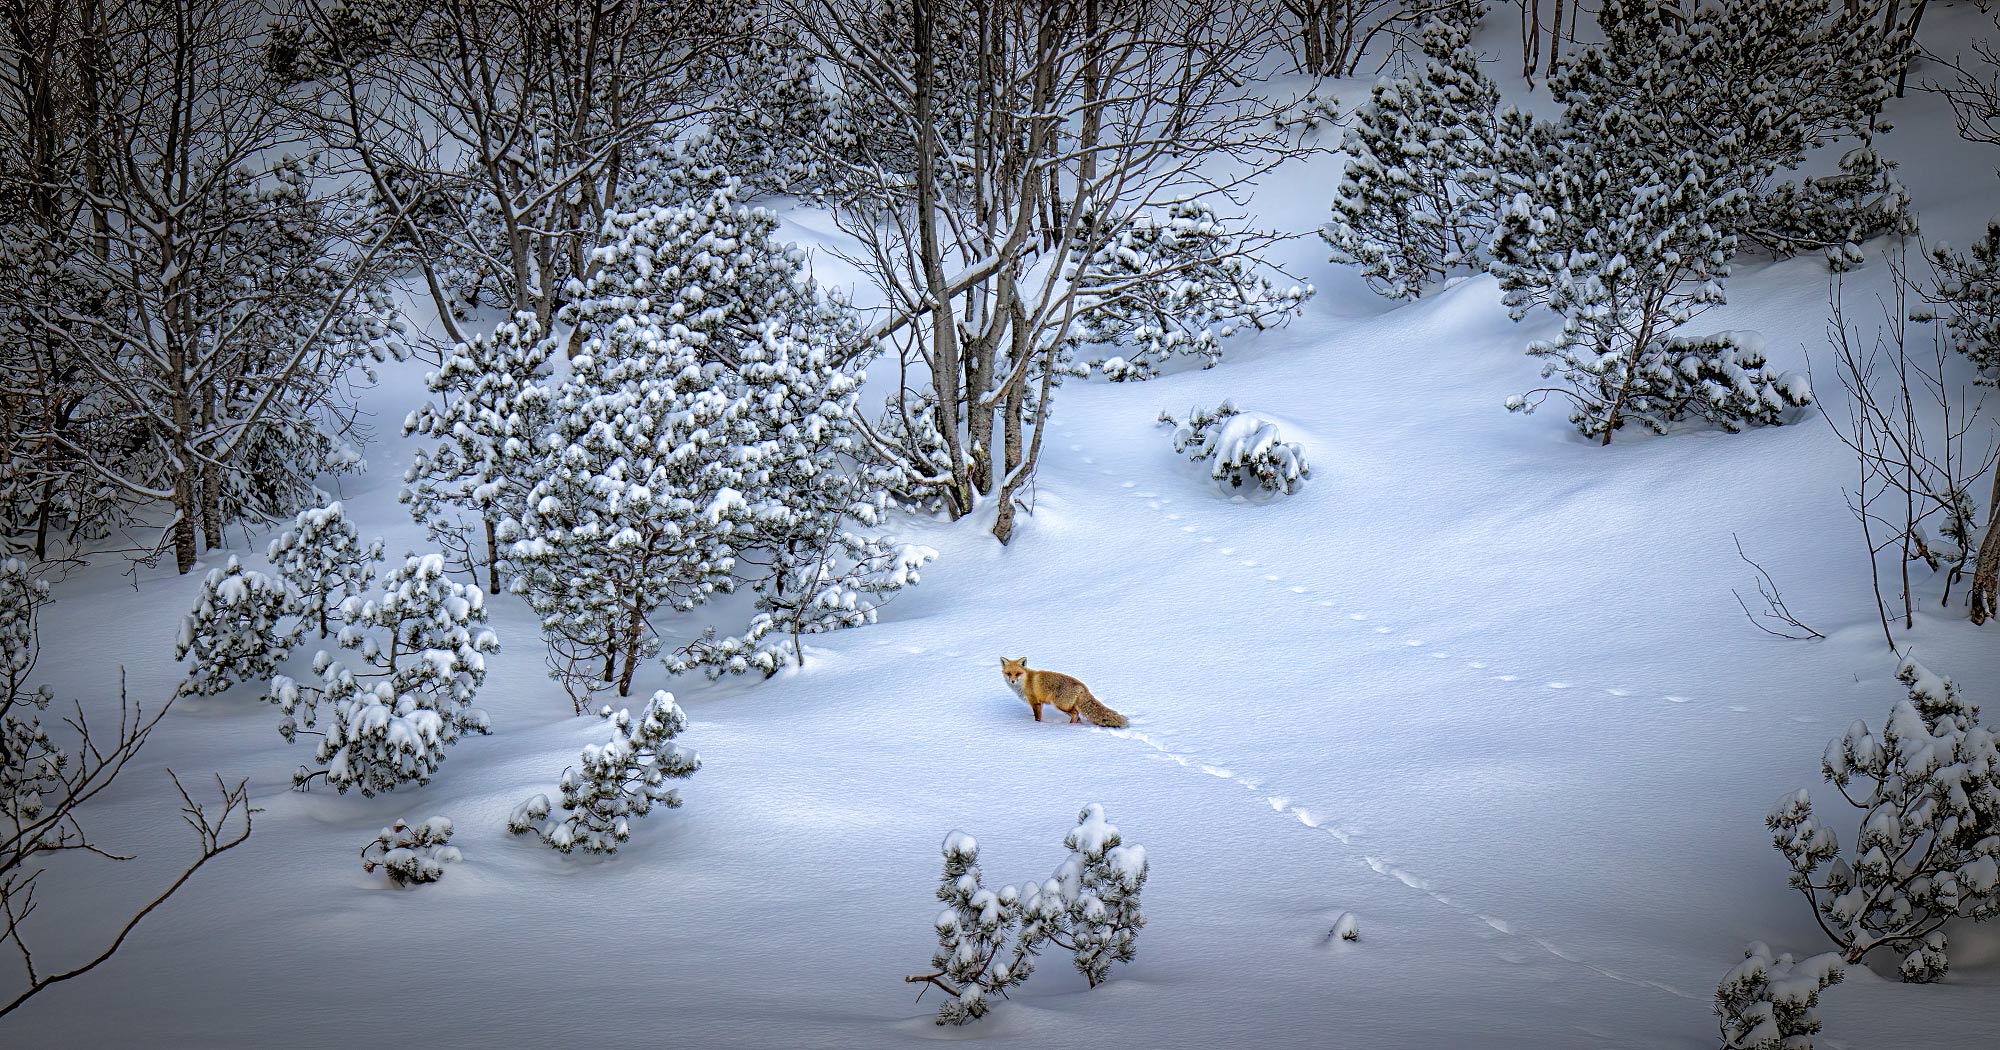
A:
1014	671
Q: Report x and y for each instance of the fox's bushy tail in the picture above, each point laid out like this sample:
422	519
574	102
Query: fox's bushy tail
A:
1098	714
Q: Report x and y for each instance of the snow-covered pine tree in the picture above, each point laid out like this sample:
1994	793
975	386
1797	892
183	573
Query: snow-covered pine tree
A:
1767	1003
1178	283
323	559
983	947
486	414
700	306
615	783
774	124
637	508
838	588
1240	449
421	643
1417	199
811	491
412	856
30	762
1927	786
1968	295
1622	223
237	631
988	939
1100	883
1787	78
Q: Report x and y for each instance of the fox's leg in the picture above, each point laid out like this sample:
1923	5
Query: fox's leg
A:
1038	709
1076	715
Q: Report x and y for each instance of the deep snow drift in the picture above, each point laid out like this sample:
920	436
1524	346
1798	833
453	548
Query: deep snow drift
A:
1480	683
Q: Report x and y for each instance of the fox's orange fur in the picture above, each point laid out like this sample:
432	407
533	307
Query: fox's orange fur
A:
1059	691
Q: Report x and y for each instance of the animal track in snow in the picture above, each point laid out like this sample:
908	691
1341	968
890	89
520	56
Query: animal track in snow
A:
1345	835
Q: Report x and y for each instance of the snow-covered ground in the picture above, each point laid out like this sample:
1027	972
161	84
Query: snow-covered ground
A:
1481	683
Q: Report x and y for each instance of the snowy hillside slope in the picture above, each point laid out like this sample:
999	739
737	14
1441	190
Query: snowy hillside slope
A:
1481	683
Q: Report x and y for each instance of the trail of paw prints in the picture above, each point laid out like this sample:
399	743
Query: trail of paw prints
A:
1159	504
1346	833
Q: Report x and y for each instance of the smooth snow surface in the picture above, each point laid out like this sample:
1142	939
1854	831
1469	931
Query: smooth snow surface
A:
1480	687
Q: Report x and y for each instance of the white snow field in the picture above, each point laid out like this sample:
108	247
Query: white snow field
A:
1481	683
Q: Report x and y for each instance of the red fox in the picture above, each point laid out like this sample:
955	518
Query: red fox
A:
1060	691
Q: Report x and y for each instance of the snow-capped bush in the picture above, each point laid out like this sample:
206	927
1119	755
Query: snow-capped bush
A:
422	645
840	588
1928	849
1178	284
324	560
1240	449
1100	885
614	782
411	856
988	939
1968	293
773	121
235	633
1720	378
1767	1003
31	764
1617	220
707	440
1345	928
487	410
1416	201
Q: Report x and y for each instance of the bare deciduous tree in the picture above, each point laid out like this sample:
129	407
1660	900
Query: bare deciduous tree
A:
1016	142
1910	429
48	775
495	135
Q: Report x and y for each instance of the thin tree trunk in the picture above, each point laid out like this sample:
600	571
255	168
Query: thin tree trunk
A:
1555	39
492	558
945	364
633	630
1986	570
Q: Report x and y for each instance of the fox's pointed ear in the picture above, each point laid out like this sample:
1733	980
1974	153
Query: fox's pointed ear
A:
1021	660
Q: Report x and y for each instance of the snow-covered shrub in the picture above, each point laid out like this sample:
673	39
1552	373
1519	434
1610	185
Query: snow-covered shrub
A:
706	441
1345	928
1767	1003
1720	378
324	560
236	632
30	762
1099	885
421	645
1625	226
1178	284
1927	785
982	949
988	939
1417	198
614	782
411	856
1968	294
840	588
486	411
773	122
1239	449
